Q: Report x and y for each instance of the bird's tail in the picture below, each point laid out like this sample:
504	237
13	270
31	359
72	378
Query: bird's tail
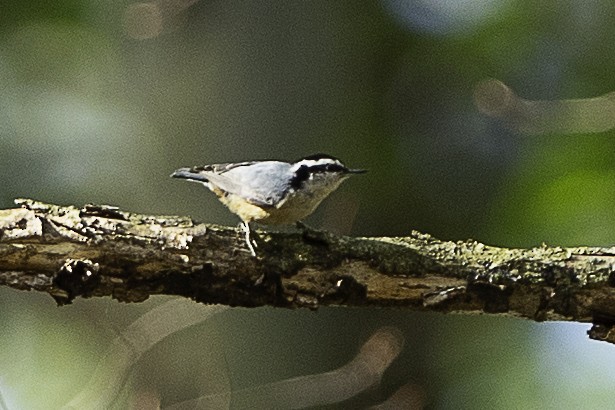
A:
188	173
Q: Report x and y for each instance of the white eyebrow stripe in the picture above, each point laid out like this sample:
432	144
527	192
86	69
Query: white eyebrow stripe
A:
311	163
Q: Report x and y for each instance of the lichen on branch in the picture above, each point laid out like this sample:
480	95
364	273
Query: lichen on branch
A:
99	250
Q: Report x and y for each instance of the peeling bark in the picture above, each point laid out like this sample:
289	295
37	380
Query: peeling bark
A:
101	251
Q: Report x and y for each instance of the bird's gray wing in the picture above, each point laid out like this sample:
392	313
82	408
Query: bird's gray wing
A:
260	184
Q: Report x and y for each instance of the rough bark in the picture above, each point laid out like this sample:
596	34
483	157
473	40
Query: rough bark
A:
101	251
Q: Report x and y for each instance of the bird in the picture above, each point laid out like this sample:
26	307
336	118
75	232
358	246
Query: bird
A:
271	192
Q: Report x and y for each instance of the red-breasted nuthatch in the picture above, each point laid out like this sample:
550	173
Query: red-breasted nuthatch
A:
271	192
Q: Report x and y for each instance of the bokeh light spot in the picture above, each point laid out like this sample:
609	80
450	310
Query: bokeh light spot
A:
444	17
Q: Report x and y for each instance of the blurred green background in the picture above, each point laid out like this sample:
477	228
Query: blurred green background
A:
101	100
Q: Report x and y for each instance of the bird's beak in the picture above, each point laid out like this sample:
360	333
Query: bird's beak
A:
356	171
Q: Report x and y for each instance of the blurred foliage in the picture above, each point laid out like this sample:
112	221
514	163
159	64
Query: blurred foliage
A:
100	101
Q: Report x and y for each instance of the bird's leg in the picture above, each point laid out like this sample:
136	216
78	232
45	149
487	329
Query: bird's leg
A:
245	227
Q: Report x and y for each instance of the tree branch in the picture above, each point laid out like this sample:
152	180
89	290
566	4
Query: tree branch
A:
102	251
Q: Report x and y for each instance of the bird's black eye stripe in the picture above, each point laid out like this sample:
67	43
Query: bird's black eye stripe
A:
326	168
335	168
302	174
